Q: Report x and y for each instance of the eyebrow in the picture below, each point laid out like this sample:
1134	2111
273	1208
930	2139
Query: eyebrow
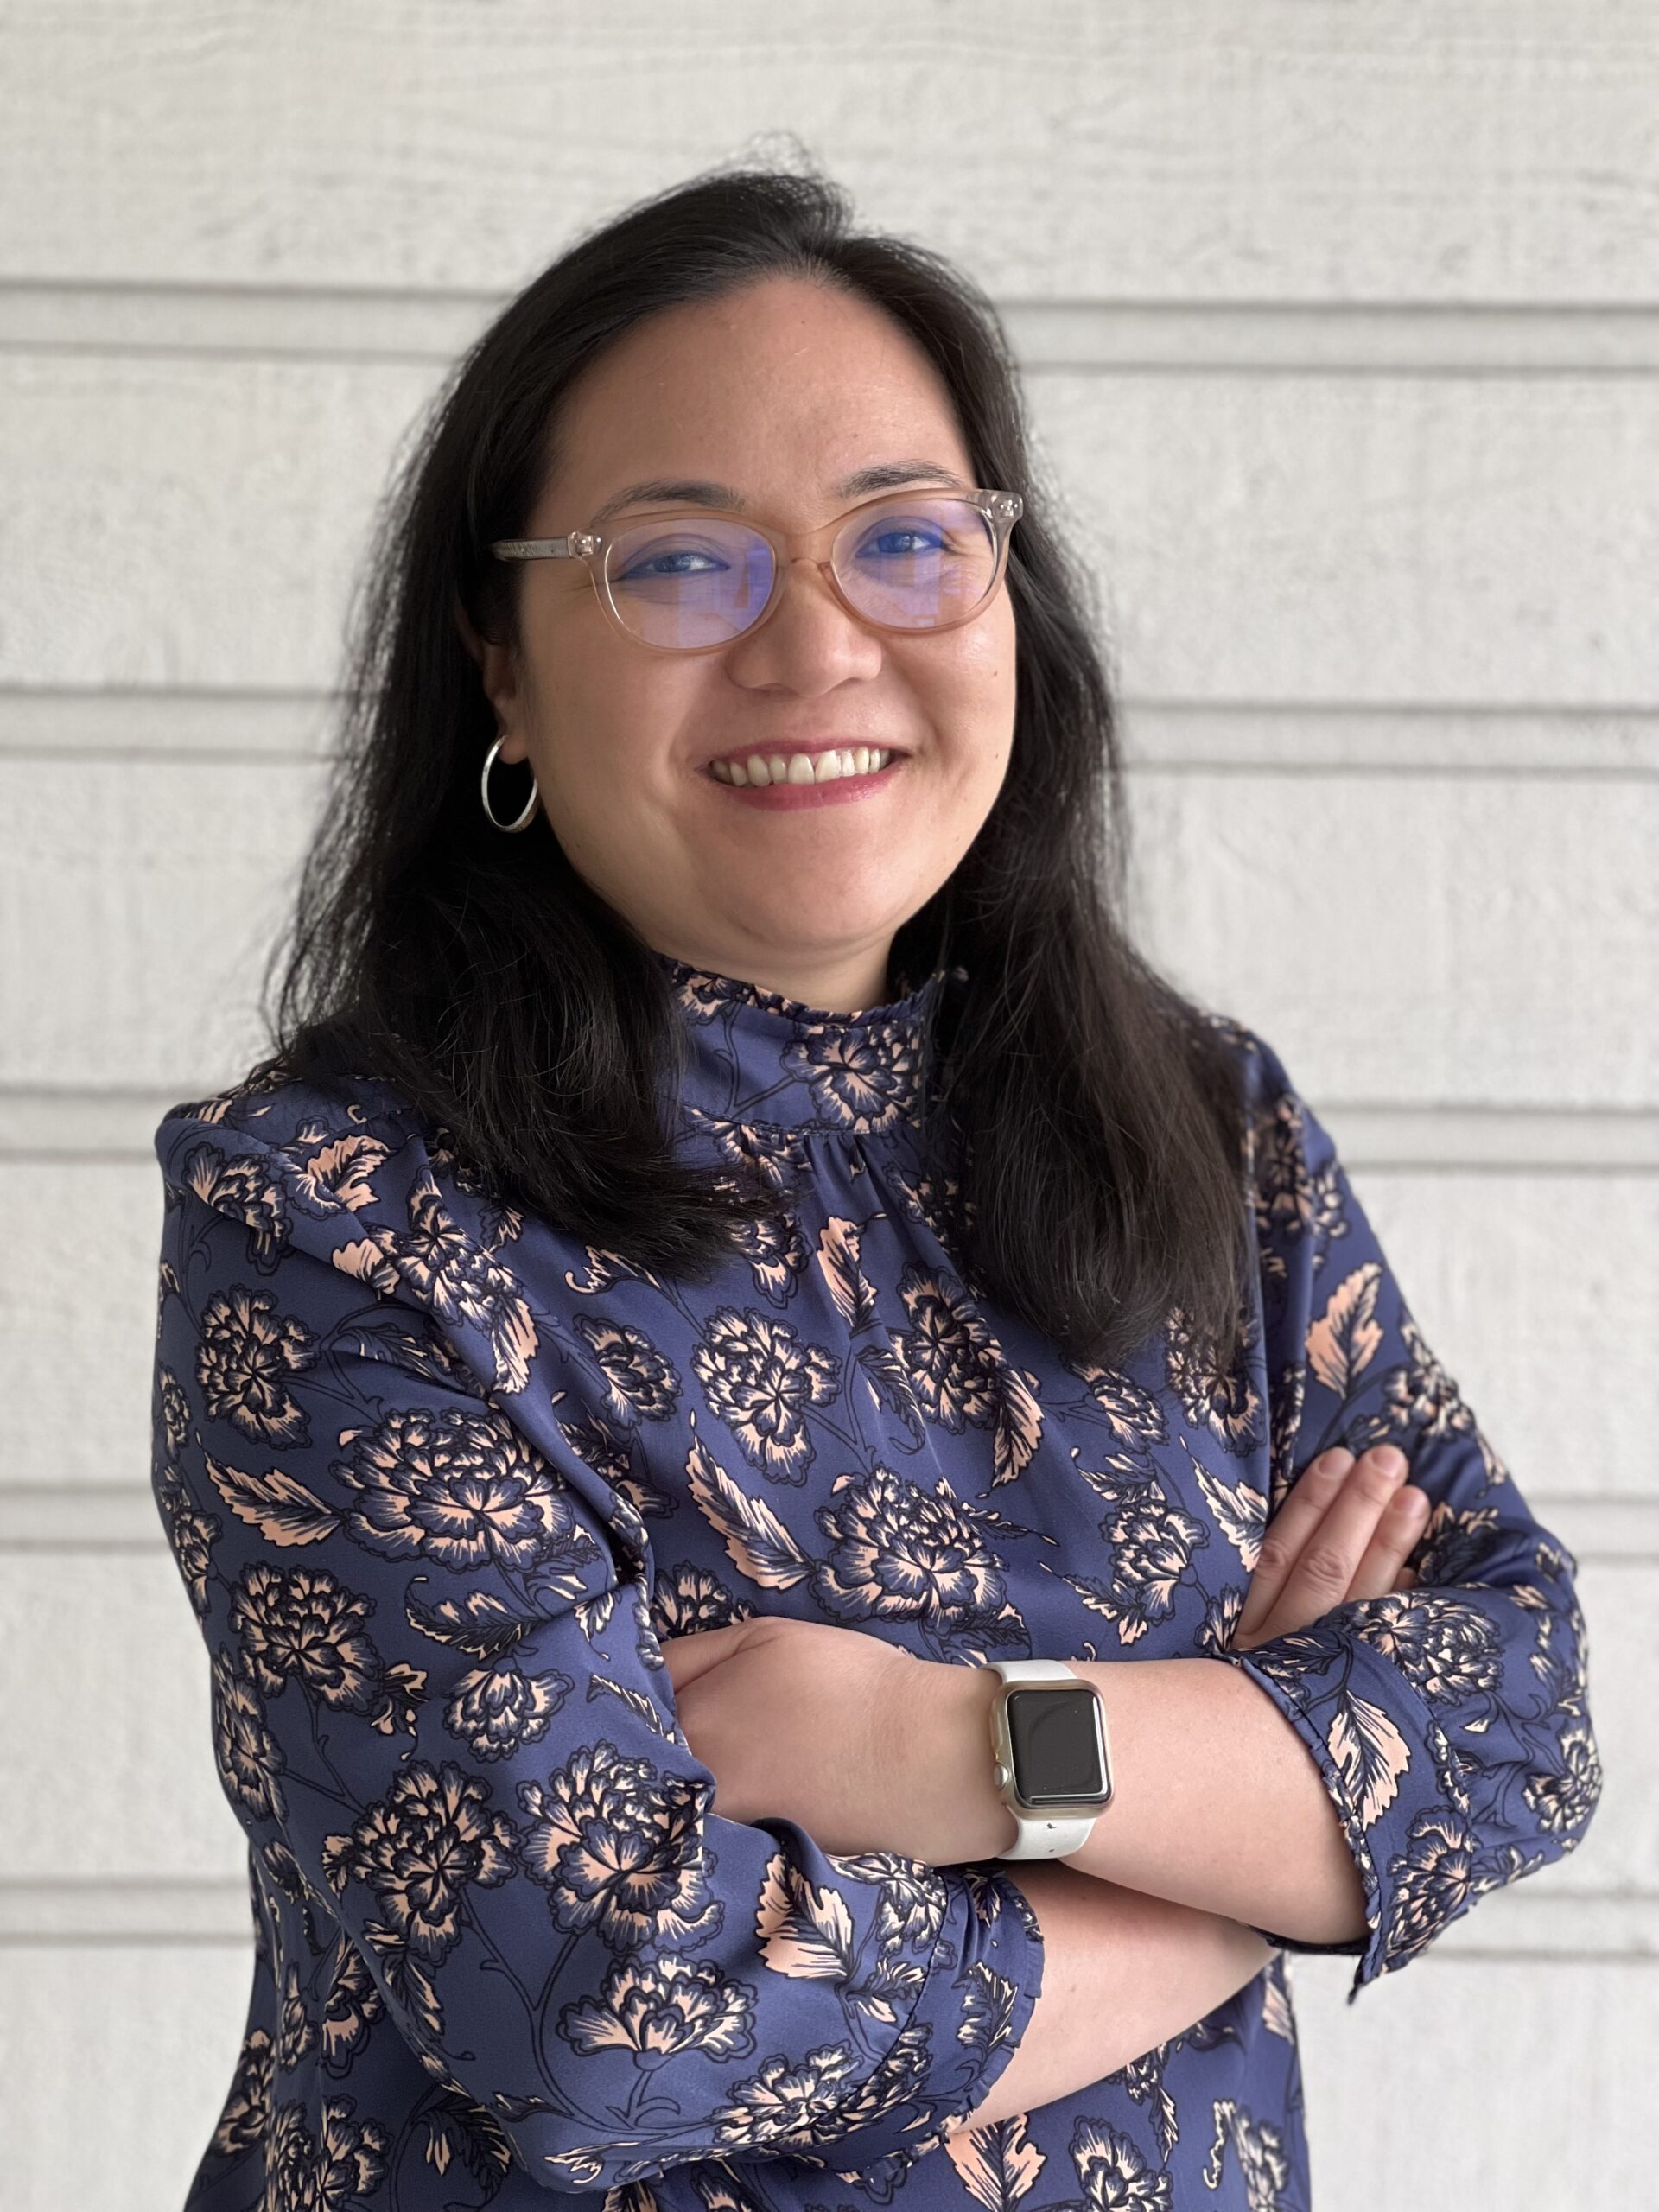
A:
699	491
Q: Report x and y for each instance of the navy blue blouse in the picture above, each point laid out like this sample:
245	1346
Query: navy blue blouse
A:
439	1478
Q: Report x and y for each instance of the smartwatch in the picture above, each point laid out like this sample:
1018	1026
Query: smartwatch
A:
1053	1763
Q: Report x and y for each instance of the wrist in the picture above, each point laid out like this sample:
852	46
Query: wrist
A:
943	1770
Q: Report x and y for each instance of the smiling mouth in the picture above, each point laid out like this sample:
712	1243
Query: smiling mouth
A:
830	766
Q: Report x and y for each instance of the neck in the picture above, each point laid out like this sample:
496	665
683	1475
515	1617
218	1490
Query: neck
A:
833	982
755	1055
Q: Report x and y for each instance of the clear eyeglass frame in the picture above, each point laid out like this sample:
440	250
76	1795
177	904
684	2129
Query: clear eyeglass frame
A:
1001	509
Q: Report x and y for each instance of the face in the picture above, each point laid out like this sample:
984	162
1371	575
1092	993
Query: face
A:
782	391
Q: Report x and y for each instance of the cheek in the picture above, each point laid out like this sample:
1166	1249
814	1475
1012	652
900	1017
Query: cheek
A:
580	791
609	735
983	654
973	710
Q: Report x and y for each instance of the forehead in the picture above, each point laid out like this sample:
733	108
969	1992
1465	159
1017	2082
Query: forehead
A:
917	473
783	392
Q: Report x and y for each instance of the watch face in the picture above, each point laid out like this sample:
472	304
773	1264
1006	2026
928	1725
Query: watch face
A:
1059	1755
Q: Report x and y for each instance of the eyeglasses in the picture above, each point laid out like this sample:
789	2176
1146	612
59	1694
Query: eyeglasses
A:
691	580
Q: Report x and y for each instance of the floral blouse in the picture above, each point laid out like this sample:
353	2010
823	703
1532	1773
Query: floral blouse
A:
439	1479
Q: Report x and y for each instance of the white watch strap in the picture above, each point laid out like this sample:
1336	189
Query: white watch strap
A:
1038	1837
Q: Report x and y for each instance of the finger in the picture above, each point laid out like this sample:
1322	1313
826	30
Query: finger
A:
1399	1525
1319	1577
1312	1494
1407	1579
687	1656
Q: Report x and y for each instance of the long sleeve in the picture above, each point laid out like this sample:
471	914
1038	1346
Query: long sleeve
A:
1450	1721
439	1699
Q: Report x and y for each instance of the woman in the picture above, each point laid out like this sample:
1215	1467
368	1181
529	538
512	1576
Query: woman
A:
732	1243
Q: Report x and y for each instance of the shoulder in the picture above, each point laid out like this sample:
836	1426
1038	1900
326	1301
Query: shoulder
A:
345	1171
291	1144
354	1177
1258	1069
1287	1157
270	1105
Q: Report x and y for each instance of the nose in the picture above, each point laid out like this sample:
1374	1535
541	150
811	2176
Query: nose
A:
810	641
813	585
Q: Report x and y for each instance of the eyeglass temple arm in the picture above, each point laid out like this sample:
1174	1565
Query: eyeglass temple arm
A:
576	545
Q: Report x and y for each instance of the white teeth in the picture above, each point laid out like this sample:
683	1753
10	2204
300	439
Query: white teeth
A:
825	767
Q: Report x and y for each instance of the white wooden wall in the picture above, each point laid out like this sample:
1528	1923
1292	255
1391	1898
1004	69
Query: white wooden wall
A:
1340	324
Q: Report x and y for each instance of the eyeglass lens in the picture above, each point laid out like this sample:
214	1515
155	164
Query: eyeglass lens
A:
912	564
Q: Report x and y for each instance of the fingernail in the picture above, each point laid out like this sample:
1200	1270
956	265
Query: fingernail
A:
1391	1460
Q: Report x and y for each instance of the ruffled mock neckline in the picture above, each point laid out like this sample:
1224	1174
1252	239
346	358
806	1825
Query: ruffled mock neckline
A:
756	1056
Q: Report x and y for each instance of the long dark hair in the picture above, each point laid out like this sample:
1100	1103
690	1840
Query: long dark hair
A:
1088	1110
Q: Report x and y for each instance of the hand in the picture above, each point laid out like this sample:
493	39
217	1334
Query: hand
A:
799	1719
1344	1532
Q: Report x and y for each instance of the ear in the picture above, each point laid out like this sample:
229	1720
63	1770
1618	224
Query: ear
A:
498	673
470	636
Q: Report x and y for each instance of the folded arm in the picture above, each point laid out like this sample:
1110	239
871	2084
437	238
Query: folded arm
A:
1123	1973
1355	1784
440	1712
1216	1803
1352	1777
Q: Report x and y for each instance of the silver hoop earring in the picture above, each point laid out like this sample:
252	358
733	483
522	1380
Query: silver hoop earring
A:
531	804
